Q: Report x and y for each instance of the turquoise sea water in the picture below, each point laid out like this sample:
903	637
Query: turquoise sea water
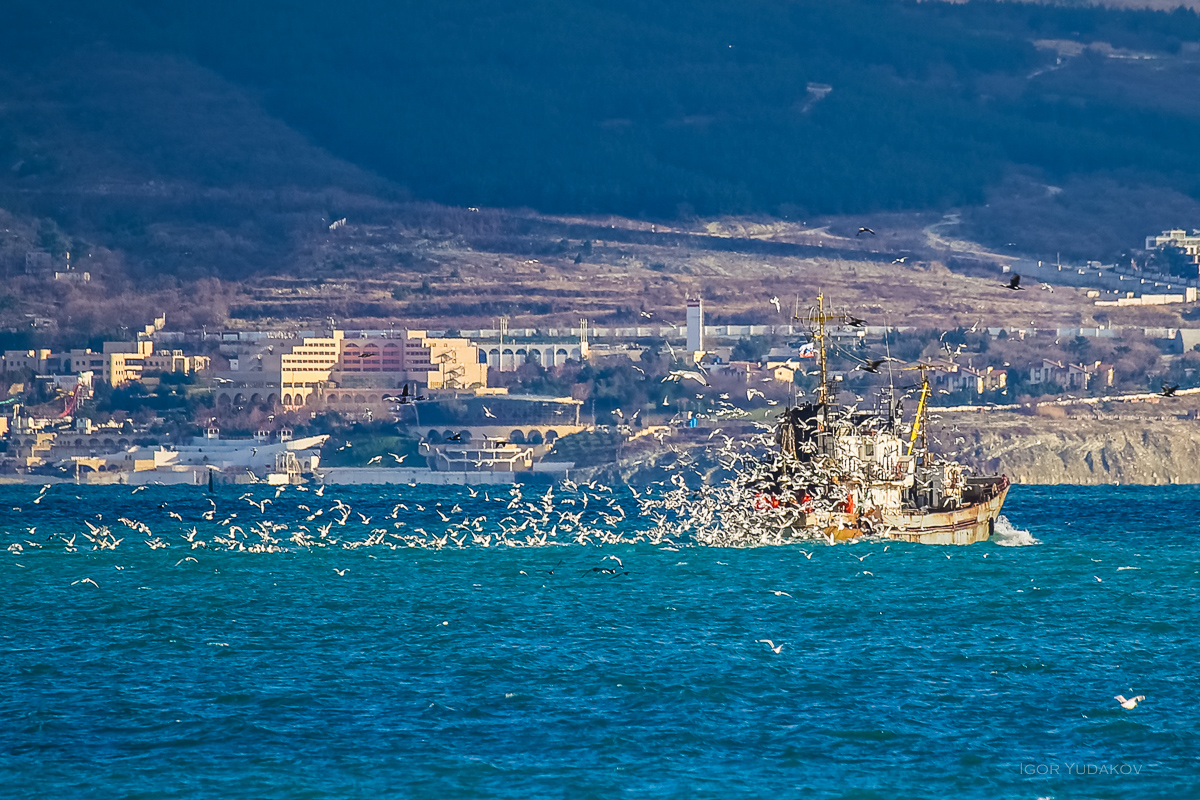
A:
522	672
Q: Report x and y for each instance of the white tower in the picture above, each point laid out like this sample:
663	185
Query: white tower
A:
695	326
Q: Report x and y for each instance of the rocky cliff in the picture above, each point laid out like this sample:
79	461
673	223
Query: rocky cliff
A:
1132	449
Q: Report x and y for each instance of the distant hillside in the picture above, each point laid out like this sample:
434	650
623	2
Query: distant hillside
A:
202	139
705	105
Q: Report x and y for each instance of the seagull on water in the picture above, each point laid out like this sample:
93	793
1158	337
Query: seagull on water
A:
1131	703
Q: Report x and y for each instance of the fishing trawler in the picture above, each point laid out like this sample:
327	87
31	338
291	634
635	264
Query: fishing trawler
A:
841	472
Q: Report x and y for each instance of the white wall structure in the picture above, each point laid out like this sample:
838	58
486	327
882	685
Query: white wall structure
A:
695	326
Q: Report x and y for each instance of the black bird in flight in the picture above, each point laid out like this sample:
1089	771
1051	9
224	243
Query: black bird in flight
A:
1169	391
861	231
871	365
1014	283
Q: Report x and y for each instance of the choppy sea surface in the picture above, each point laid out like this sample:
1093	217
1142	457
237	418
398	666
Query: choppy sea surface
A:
290	659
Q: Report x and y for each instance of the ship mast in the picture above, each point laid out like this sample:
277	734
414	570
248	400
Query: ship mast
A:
817	320
823	387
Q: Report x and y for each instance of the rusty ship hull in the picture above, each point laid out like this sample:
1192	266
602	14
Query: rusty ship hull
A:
966	525
970	523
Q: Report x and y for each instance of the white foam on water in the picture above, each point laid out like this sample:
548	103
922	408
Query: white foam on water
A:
1008	536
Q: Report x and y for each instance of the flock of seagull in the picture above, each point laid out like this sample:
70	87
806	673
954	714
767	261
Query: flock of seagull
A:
676	511
679	510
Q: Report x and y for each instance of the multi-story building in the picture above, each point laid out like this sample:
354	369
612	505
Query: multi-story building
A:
306	368
959	378
1178	238
36	361
1078	377
118	363
350	369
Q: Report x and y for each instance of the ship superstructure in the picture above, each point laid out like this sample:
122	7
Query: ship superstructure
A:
840	471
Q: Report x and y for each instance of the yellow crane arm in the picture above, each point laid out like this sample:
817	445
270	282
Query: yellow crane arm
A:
912	440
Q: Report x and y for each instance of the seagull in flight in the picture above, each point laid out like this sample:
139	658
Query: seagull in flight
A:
678	375
1131	703
93	583
863	230
775	302
778	593
774	648
487	412
341	572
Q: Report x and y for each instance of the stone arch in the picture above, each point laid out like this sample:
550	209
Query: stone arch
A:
122	443
434	437
239	399
224	401
311	399
358	398
535	437
255	399
374	399
272	400
109	443
551	436
516	436
535	356
93	442
287	399
465	435
446	434
79	442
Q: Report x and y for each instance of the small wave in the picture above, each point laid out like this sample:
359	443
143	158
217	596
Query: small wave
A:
1008	536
